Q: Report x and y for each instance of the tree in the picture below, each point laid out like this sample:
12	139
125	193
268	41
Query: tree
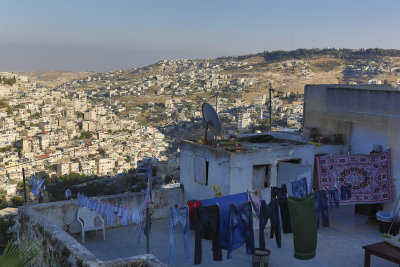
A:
86	135
102	151
17	201
9	111
80	115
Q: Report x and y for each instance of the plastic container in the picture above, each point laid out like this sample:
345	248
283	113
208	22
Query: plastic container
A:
384	216
385	219
260	258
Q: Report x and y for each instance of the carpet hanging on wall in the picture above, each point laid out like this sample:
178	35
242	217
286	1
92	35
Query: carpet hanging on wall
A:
369	176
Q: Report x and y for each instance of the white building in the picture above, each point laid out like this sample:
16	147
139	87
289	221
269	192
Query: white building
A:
252	166
365	115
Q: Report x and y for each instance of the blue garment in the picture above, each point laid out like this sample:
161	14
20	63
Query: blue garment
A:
333	197
241	216
67	194
269	212
321	203
94	205
124	218
223	203
32	179
179	216
299	188
345	192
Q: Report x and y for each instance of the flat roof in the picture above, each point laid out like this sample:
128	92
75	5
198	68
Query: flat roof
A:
256	141
338	245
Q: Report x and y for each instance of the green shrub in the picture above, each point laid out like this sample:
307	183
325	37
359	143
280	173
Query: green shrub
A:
5	235
17	201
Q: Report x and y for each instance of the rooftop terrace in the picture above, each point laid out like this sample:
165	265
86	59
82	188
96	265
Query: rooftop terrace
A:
338	245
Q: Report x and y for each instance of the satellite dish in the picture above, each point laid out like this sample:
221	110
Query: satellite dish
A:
212	119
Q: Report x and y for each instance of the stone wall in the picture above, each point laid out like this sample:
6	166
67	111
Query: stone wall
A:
64	213
46	225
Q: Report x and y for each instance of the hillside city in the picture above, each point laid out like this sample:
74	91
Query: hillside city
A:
107	124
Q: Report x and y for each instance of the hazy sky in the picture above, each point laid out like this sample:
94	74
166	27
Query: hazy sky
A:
100	35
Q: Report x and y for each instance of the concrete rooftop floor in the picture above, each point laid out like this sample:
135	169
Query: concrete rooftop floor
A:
338	245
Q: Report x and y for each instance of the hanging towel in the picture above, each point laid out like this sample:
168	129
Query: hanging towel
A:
304	226
223	203
255	200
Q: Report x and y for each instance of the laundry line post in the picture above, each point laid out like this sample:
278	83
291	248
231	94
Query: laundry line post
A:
23	180
147	230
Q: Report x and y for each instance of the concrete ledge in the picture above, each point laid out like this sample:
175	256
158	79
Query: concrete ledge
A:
46	225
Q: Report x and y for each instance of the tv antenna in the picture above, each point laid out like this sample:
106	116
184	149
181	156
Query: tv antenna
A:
213	123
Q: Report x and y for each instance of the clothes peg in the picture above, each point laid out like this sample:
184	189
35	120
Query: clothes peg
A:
217	204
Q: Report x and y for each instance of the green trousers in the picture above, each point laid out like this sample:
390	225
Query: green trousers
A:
304	225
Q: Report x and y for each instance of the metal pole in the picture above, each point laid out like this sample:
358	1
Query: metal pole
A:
216	102
23	179
270	108
147	231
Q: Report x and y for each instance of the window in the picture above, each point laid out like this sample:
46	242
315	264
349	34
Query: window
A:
201	170
261	176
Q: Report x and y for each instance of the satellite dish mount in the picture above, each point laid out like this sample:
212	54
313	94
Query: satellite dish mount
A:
213	123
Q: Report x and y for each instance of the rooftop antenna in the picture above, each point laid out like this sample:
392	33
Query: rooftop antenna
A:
213	123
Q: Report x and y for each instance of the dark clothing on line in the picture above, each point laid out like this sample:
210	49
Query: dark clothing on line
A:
345	192
207	226
269	212
223	203
304	223
280	194
321	204
333	197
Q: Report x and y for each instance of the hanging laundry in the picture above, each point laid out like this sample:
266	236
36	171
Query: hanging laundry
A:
207	226
192	204
304	223
369	176
345	192
269	212
119	212
242	216
255	199
94	205
333	197
125	218
110	215
67	194
136	218
321	204
178	216
280	195
78	199
299	188
223	203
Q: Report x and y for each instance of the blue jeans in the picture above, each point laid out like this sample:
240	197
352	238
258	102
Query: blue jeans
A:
321	203
333	197
345	192
241	216
299	188
178	216
269	211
